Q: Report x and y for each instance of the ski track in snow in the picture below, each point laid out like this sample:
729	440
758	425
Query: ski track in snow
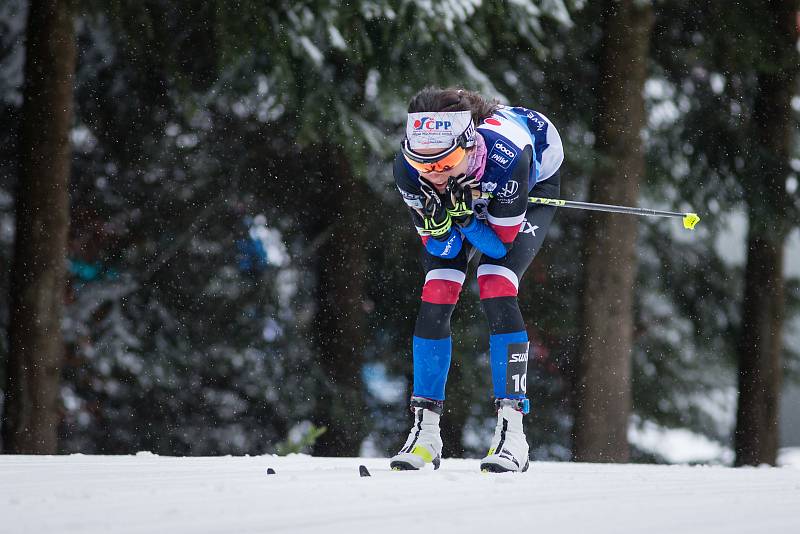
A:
147	493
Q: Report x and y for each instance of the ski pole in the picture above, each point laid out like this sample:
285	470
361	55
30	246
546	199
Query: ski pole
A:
689	219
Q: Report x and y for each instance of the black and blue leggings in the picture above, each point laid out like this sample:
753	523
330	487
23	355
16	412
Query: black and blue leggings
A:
498	282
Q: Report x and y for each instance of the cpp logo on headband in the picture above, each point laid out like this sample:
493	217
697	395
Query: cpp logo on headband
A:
437	129
429	123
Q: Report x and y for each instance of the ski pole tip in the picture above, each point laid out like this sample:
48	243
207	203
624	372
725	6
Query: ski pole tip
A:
690	220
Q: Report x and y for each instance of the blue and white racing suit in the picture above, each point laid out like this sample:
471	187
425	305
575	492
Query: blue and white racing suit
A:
524	154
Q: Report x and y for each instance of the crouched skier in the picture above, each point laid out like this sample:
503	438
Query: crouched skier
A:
465	170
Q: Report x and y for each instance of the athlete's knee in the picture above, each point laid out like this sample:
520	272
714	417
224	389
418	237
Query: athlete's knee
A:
496	281
442	286
439	296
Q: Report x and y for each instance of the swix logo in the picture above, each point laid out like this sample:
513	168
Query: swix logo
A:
519	357
449	246
428	123
528	228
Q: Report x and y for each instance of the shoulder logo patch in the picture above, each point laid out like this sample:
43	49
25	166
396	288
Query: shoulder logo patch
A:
510	189
502	154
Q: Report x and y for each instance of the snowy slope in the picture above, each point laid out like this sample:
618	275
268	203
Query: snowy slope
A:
146	493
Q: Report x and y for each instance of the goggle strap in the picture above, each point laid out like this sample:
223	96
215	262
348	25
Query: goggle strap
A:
421	158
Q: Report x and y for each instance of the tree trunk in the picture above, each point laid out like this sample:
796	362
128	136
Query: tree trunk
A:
603	391
31	417
756	437
760	345
340	324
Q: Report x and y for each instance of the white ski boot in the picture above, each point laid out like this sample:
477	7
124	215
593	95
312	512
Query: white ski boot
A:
509	448
424	443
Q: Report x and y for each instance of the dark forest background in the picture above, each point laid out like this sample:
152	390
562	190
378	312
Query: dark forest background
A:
204	253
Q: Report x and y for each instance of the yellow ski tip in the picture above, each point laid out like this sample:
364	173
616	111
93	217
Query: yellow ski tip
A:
690	220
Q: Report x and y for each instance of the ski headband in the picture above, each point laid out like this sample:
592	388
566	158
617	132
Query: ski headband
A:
439	129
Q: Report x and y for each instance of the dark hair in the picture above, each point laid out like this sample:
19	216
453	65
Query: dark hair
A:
453	99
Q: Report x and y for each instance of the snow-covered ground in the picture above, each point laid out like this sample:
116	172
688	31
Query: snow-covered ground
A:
152	494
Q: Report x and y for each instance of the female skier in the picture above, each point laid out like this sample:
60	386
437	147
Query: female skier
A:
466	169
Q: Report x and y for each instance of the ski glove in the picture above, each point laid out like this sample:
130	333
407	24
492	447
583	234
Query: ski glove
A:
436	220
458	199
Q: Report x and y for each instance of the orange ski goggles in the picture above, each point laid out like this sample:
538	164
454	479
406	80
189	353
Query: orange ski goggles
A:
441	162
